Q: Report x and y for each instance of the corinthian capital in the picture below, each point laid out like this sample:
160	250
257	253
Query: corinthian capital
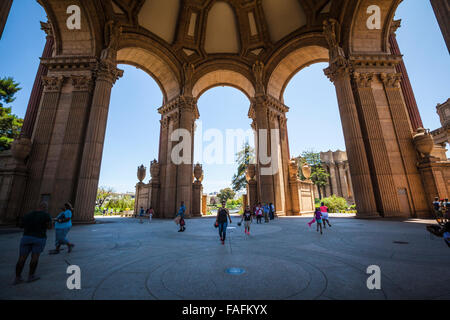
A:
52	84
391	80
363	80
81	83
108	72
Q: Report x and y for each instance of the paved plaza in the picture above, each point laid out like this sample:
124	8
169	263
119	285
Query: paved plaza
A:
285	259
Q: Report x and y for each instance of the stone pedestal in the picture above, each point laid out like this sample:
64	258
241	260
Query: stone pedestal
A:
197	195
204	204
435	176
13	175
252	192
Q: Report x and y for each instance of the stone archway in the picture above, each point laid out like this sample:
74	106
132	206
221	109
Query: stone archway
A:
259	55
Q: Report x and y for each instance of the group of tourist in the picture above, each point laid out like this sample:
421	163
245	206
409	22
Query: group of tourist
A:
35	225
321	216
146	213
441	208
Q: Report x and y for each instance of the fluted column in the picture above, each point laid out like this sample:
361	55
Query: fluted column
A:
177	178
106	76
382	174
403	136
259	113
408	94
339	73
41	141
38	88
442	11
5	7
343	180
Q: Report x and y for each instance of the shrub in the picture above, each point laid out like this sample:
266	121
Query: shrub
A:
335	204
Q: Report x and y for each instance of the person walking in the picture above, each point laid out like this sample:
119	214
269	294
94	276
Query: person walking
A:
181	213
271	211
258	213
141	214
266	212
63	223
247	217
318	217
223	215
324	211
35	225
150	214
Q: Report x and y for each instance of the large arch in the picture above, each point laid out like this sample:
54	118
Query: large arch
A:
291	64
154	66
223	78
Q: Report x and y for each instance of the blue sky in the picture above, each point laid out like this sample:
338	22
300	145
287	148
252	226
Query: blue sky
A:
132	135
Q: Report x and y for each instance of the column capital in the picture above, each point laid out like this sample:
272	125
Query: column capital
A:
52	84
180	104
364	79
82	82
269	104
107	71
47	28
391	80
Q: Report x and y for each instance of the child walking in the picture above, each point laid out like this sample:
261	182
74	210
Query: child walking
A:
324	211
318	217
247	218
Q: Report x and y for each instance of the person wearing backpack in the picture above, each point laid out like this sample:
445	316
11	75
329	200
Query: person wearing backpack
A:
63	224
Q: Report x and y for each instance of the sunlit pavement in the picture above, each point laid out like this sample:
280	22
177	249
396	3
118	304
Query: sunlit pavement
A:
284	259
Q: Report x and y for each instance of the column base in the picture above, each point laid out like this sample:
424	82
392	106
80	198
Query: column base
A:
81	222
368	215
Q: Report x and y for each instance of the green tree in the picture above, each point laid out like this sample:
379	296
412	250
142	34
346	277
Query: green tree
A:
103	194
226	194
243	159
10	124
318	174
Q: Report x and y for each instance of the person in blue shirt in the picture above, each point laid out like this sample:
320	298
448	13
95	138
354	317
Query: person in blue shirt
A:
266	212
63	224
181	213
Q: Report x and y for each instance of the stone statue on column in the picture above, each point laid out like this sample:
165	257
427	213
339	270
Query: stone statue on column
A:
197	191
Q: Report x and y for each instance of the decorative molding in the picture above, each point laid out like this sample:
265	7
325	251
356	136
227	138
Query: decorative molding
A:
180	104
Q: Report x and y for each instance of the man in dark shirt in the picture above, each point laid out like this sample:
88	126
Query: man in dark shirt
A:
35	226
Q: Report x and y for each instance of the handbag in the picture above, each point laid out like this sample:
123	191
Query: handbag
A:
182	223
216	224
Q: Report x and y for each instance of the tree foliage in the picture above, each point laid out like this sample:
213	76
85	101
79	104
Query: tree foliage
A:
318	174
10	124
103	195
243	159
335	204
226	194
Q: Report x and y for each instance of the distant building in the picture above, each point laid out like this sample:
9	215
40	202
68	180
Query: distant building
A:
339	182
441	136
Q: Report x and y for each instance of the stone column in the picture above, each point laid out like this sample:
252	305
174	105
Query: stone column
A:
442	11
197	191
41	141
204	204
333	177
343	180
176	178
38	88
294	185
259	113
155	187
252	185
5	7
382	174
106	76
403	136
408	94
339	74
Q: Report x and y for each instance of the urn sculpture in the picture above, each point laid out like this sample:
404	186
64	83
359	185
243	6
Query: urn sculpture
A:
21	148
141	173
424	142
198	172
154	170
250	172
306	170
